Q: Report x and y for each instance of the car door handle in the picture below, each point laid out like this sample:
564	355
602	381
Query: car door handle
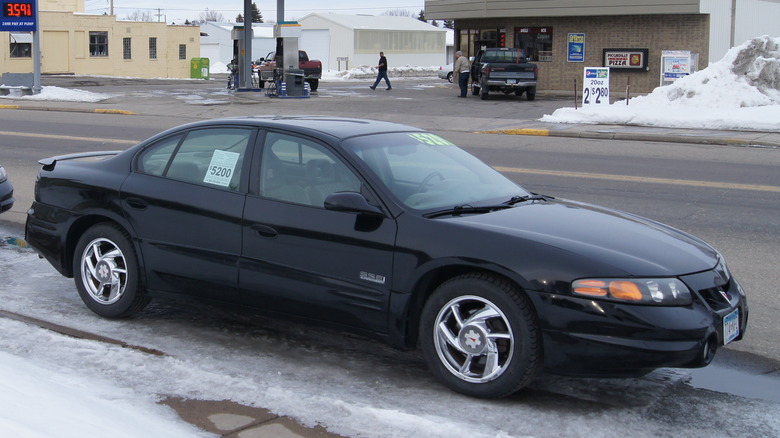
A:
264	230
137	203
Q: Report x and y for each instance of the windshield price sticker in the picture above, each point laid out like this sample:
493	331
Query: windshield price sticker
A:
731	327
431	139
595	88
221	168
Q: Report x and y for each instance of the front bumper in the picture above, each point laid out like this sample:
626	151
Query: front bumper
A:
587	337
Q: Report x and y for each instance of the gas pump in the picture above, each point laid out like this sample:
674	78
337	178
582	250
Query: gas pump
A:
239	51
288	74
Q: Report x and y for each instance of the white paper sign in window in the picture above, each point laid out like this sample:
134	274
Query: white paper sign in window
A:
221	168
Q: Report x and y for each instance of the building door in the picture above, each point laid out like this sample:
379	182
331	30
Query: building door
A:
55	52
316	43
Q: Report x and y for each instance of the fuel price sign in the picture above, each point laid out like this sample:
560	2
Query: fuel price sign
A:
18	16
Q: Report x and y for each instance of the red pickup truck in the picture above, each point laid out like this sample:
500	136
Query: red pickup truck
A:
312	69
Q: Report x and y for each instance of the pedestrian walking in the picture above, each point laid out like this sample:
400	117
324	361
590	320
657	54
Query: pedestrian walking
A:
382	66
462	69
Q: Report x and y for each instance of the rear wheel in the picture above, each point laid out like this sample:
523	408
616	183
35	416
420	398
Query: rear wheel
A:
530	93
480	336
483	92
313	84
107	273
474	89
449	77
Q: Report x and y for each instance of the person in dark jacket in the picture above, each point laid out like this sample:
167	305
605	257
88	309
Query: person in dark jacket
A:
382	67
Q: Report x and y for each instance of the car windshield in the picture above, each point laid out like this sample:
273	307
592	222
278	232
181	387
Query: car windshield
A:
426	172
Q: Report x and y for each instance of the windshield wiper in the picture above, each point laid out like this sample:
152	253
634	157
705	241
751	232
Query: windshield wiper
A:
532	197
466	209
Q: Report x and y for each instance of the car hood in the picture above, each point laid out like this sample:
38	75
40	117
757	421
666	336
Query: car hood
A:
620	242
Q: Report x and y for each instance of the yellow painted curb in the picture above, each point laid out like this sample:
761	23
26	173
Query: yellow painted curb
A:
537	132
113	111
9	106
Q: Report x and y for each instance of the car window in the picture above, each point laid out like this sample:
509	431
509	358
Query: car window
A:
212	157
301	171
425	171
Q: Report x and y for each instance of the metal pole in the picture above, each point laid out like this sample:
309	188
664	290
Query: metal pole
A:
733	22
246	57
37	54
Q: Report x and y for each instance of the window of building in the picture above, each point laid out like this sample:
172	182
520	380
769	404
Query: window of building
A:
182	51
98	44
536	42
152	48
126	53
473	40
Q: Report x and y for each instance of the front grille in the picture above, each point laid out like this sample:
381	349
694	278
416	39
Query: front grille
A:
718	298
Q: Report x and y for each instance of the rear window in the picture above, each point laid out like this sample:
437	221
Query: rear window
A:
515	56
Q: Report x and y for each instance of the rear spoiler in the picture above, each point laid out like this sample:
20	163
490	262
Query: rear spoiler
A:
49	163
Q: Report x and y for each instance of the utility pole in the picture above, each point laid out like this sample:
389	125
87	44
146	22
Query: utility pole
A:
111	7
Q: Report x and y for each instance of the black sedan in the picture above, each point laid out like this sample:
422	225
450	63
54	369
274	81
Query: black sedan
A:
391	231
6	192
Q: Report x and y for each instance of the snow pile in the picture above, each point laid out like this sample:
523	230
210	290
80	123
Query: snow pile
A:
748	76
739	92
368	72
59	94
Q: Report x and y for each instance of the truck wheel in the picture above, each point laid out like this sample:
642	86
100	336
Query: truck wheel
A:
261	84
530	94
474	90
313	84
483	93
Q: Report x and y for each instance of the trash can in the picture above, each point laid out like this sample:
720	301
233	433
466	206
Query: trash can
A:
294	80
199	68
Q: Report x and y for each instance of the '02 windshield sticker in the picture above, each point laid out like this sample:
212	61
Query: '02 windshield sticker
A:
431	139
221	168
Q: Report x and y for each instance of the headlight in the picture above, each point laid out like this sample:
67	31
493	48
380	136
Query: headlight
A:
659	291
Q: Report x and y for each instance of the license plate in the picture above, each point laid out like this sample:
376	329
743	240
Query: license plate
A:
730	326
510	81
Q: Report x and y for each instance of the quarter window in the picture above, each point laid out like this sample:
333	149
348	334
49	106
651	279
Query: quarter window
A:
98	44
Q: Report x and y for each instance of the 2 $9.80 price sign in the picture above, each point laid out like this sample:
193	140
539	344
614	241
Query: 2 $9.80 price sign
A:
595	86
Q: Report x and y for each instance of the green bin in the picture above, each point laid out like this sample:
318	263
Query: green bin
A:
199	68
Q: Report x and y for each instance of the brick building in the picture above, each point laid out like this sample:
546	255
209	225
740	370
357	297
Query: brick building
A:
552	31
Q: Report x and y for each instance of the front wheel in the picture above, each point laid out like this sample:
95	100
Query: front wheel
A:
480	336
107	273
449	77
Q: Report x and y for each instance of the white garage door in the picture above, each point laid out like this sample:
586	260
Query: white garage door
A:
316	43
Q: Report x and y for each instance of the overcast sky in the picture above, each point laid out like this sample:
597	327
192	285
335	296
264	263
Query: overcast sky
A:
179	10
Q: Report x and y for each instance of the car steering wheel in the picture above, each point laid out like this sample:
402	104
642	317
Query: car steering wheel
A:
427	179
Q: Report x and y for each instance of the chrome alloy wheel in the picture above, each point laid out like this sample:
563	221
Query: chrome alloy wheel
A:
104	271
473	339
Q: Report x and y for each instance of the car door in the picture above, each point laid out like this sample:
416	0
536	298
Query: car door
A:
185	200
302	259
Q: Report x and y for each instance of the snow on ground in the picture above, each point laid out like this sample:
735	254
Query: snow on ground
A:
739	92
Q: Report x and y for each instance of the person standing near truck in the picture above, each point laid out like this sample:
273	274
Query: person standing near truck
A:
462	69
382	66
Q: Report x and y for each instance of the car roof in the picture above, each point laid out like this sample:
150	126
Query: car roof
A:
338	127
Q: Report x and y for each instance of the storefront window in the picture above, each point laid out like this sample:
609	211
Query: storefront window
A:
535	42
473	40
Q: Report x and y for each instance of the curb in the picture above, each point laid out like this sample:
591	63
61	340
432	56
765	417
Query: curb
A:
70	110
615	135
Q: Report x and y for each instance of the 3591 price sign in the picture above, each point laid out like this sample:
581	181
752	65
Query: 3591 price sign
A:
18	16
595	86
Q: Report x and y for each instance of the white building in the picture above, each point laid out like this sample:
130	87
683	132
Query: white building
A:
216	42
353	40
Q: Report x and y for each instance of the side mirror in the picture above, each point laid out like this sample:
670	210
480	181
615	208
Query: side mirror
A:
351	202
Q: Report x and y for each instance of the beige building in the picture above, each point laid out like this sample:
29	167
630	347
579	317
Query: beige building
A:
551	32
74	42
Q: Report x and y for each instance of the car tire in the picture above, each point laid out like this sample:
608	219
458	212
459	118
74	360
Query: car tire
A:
530	94
469	309
261	84
449	77
107	273
313	84
474	90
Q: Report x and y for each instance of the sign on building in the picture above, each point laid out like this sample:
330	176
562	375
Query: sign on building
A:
18	16
576	47
626	59
595	86
675	64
